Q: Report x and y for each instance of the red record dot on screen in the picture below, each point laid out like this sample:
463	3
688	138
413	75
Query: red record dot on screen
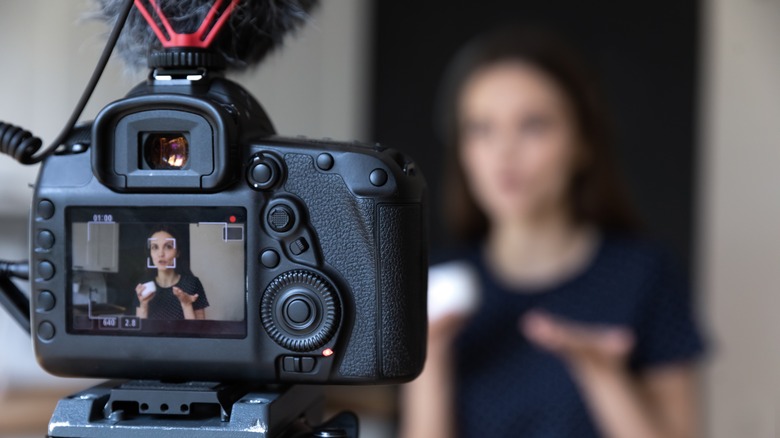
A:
232	219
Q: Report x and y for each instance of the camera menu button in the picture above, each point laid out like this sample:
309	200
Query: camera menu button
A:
45	209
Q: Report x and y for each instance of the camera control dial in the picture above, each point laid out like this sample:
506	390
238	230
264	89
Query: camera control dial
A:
300	310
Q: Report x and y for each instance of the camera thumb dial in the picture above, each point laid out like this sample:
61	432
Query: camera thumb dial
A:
300	310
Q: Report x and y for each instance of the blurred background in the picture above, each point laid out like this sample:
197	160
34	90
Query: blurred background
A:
693	85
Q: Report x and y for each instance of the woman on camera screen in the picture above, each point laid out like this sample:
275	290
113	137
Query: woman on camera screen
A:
568	324
174	293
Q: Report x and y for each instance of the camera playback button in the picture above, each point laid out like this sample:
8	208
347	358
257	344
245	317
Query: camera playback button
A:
46	331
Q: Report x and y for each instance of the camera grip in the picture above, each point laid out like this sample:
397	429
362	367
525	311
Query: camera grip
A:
403	285
377	248
345	231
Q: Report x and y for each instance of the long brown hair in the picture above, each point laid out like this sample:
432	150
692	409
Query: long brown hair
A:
597	194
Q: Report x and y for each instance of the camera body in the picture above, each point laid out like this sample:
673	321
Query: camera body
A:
298	260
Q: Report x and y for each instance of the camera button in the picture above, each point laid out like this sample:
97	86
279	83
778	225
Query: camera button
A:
378	177
294	364
45	209
298	311
299	246
281	218
262	173
45	270
307	364
325	161
46	301
45	239
269	258
289	364
46	331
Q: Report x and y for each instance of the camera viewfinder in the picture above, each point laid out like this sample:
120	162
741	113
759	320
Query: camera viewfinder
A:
166	151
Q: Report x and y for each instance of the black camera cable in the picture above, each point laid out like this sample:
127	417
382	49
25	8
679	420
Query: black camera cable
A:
12	298
23	146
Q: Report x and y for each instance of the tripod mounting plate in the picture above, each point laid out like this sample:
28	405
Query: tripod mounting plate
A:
116	409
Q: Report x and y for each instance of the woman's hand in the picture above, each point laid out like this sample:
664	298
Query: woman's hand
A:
584	347
184	297
656	404
186	301
139	292
142	311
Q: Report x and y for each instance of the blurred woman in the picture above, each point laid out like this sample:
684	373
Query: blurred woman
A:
582	329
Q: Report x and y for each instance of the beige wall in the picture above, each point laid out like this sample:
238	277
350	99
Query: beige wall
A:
220	267
740	215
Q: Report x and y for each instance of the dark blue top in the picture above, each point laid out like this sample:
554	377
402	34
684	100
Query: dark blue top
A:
165	305
507	387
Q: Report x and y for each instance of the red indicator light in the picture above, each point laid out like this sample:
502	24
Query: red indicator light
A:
327	352
232	219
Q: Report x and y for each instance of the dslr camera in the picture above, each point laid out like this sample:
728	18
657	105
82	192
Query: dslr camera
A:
189	242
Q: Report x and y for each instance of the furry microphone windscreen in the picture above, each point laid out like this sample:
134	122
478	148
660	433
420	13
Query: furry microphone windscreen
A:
253	29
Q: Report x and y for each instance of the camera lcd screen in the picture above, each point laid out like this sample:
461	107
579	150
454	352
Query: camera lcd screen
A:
146	271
